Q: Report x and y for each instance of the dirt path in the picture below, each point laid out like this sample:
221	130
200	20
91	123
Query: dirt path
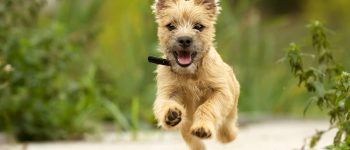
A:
271	135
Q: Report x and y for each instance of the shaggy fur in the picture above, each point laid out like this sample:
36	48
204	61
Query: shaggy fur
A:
200	99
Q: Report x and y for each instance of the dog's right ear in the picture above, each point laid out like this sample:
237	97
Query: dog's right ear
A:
159	5
212	5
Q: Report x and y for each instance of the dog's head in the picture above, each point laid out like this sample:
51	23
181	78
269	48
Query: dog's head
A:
186	31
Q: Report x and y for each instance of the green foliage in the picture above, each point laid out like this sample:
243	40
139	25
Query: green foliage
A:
47	91
128	37
244	42
328	82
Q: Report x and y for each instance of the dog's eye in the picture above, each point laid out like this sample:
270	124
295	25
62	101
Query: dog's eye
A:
198	27
171	26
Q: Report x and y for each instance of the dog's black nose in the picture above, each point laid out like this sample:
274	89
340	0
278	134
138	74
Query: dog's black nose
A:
184	41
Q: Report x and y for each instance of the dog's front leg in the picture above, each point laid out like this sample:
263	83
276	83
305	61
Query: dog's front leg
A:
167	110
212	113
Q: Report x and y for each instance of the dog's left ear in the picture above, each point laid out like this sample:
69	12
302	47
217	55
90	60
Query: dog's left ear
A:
211	5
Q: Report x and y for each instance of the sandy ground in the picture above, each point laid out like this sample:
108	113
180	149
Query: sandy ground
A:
270	135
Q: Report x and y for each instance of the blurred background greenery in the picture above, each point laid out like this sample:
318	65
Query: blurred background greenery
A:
69	67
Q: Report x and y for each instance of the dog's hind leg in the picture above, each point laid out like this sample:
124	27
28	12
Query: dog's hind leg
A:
227	132
193	142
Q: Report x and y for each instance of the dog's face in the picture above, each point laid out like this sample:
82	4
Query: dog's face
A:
186	31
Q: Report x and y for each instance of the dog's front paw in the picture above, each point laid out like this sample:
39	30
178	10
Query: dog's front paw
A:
201	132
173	117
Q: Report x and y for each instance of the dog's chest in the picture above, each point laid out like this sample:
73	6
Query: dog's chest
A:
195	91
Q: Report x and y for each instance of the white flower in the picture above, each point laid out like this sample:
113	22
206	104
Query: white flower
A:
8	68
344	74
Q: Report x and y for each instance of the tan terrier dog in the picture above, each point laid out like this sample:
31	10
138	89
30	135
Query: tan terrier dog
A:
199	92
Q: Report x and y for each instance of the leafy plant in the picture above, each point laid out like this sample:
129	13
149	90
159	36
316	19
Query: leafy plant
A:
327	81
47	90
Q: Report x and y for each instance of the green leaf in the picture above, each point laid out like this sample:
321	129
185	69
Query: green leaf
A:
135	107
316	138
117	114
311	101
337	138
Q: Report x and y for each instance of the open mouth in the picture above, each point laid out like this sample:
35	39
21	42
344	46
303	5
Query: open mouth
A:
184	58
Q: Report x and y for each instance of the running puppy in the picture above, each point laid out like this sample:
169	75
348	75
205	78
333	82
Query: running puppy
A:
199	92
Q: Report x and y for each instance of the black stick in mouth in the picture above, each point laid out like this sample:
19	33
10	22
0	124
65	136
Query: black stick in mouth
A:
158	61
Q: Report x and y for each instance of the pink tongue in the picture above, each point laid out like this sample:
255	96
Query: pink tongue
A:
184	58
